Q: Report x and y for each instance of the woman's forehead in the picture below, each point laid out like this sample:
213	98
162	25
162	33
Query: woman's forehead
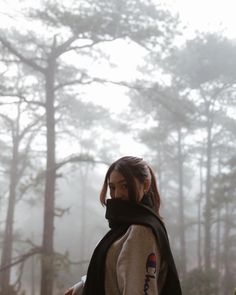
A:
116	176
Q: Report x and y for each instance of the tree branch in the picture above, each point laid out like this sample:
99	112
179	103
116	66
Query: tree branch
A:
80	158
38	103
119	83
29	126
9	60
59	212
89	45
2	94
25	60
22	258
59	50
73	82
8	120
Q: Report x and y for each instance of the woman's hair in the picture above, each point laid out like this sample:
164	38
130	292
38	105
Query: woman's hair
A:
133	168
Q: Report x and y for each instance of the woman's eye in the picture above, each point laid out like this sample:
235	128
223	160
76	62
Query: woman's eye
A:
124	186
111	188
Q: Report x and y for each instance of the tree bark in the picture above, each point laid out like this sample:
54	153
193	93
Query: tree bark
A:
207	248
8	234
199	238
181	205
226	257
47	266
83	176
217	254
218	235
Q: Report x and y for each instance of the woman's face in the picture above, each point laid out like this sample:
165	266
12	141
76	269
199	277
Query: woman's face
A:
119	188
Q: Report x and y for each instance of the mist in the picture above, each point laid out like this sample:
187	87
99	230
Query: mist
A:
84	83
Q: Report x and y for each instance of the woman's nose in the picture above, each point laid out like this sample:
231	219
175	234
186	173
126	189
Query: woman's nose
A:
117	193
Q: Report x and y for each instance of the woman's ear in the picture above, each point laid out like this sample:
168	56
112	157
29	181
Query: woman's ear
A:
146	185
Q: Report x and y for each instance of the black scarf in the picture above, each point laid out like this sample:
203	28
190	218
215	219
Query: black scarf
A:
120	215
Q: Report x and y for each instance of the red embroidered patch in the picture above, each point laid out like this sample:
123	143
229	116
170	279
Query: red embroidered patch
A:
151	264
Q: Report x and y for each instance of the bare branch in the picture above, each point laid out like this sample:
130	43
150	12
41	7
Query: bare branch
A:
119	83
80	158
2	94
59	212
59	50
9	60
29	126
22	258
25	60
33	102
98	80
89	45
7	119
38	250
73	82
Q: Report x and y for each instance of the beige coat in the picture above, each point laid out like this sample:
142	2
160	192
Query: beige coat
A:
133	265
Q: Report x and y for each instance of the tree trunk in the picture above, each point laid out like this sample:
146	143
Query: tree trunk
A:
83	176
33	266
199	238
226	256
218	234
217	254
208	200
8	234
47	267
181	206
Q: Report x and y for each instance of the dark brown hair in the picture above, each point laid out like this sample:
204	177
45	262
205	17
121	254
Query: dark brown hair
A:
133	168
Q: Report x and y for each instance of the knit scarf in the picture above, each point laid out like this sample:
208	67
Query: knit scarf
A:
122	214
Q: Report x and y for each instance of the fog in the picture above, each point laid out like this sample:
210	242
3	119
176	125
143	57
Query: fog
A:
86	82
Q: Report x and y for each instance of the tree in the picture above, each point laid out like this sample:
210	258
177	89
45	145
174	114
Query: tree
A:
78	29
21	142
206	65
224	210
199	282
171	114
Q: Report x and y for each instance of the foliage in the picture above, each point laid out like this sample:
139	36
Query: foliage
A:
208	58
170	116
224	185
199	282
141	21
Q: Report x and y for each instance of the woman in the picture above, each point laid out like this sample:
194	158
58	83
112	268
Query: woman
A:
134	257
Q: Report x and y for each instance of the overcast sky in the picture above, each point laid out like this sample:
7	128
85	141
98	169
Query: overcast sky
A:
200	14
207	15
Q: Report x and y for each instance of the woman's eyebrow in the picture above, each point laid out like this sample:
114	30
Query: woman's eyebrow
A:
120	181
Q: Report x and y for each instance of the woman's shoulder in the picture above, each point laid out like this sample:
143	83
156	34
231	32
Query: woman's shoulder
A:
140	232
140	228
136	234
